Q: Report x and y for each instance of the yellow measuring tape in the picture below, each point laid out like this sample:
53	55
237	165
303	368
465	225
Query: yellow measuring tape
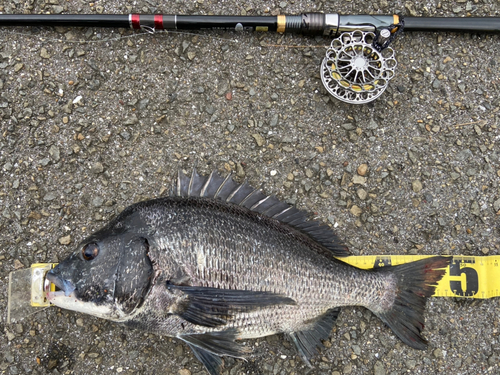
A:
38	291
467	276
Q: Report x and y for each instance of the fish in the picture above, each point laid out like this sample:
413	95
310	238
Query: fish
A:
217	262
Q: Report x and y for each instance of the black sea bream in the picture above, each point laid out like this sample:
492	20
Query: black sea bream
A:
217	262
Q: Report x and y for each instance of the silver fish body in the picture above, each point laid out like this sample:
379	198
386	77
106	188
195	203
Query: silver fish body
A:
218	262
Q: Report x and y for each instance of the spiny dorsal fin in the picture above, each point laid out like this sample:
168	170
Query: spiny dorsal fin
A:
190	186
226	189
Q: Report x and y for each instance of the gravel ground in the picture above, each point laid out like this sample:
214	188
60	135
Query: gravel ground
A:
93	120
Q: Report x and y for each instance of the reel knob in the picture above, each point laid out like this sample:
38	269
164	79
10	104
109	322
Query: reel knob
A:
353	71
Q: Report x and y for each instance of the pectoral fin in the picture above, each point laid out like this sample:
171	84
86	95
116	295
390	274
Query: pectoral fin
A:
211	307
220	343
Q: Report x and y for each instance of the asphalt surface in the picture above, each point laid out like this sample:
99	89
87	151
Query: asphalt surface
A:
92	120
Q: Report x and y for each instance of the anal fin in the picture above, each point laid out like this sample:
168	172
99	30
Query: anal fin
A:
308	340
212	362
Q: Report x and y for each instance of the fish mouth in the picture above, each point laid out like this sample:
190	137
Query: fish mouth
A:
64	285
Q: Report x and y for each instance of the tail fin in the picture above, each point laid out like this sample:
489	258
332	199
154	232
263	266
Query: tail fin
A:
416	281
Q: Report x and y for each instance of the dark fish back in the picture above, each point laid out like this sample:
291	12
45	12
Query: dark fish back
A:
227	246
227	190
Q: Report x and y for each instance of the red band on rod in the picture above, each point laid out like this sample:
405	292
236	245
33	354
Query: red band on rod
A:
135	21
159	21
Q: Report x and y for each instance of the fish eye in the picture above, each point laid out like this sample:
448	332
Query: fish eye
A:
90	251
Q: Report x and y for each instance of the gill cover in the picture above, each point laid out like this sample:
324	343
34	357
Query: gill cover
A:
108	275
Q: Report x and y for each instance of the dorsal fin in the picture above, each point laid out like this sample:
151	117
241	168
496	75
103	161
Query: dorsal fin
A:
227	190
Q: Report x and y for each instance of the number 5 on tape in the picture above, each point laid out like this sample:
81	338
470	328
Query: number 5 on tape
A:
467	276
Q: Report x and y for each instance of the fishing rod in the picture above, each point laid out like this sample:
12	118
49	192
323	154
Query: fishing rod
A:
357	66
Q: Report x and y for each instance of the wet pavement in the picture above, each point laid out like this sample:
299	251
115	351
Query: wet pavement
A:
92	120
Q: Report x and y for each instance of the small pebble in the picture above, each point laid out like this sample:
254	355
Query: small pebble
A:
359	180
362	169
362	194
97	168
379	368
66	240
438	353
44	54
258	139
416	186
356	211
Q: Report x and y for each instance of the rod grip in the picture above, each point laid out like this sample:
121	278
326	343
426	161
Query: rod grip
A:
313	23
307	23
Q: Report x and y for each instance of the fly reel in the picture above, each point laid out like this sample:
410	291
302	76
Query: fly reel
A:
354	70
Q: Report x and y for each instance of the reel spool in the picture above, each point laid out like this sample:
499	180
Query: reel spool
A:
354	71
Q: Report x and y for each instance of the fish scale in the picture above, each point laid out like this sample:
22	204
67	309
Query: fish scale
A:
289	262
219	261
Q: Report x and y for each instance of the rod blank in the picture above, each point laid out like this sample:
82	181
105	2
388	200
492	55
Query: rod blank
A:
453	24
67	20
315	23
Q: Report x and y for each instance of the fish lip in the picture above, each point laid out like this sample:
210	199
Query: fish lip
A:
65	285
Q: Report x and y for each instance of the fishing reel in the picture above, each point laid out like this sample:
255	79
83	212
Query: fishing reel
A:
358	66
